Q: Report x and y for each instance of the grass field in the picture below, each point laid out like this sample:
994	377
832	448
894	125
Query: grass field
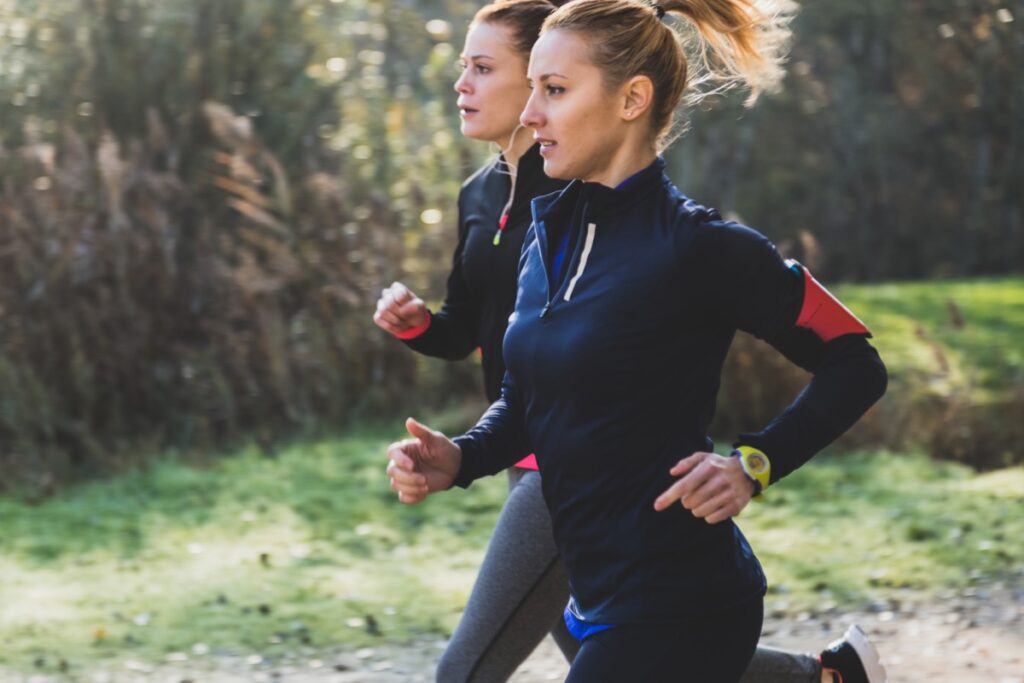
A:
959	331
309	548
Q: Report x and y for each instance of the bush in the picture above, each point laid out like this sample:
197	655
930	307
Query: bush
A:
136	306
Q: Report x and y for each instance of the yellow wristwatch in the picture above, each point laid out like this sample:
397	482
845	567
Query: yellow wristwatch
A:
757	466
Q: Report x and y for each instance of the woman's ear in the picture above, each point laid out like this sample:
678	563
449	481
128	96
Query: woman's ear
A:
637	97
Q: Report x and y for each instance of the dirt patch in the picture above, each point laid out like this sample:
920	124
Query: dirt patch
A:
974	636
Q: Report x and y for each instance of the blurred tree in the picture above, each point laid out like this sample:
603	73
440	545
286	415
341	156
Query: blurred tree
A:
200	199
895	144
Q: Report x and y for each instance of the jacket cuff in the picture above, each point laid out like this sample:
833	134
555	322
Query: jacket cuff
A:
416	331
470	462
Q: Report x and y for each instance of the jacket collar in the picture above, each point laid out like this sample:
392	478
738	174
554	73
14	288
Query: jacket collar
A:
601	198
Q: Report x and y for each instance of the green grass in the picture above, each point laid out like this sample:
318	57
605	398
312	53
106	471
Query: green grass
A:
159	561
853	527
249	551
915	330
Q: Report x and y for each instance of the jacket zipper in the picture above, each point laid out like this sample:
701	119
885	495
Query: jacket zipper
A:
586	248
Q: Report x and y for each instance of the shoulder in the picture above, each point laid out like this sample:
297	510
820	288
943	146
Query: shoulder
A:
724	238
480	175
703	240
702	230
477	185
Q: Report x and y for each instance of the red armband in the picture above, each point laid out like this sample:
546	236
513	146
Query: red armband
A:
822	313
415	331
528	463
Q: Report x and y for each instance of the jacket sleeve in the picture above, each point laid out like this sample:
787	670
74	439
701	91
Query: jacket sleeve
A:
498	440
453	332
752	289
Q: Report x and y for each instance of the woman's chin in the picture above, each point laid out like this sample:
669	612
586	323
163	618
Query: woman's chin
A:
473	131
552	169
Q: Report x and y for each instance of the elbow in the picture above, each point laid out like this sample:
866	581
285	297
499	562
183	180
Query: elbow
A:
879	378
453	354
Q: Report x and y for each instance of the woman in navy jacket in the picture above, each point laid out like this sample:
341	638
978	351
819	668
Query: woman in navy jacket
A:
627	301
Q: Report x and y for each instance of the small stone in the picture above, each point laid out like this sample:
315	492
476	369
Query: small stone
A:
138	667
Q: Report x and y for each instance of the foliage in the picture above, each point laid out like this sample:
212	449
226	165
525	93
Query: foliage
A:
168	279
893	151
258	554
200	199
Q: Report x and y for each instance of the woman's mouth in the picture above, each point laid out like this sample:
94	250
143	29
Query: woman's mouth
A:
546	145
466	112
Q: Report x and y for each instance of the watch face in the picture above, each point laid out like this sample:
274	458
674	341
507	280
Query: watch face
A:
757	463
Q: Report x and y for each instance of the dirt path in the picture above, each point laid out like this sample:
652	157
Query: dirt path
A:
976	636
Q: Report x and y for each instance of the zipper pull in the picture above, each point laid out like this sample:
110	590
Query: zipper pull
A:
501	228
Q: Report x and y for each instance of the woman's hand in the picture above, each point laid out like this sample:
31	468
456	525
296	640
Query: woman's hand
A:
426	463
399	310
712	487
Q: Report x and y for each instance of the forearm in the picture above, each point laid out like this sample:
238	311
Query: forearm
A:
447	336
497	442
851	380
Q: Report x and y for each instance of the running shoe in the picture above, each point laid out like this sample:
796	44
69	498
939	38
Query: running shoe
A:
853	659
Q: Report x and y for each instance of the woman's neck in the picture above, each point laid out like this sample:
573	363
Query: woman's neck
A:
629	161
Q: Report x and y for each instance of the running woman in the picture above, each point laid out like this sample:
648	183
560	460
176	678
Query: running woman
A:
522	586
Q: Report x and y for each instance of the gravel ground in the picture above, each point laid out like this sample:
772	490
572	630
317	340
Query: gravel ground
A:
975	636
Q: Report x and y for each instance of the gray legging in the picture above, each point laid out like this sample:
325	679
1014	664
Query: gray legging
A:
521	591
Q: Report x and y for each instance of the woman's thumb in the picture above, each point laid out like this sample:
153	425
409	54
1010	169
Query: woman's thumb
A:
420	431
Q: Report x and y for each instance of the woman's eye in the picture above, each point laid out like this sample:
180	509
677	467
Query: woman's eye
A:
555	90
481	69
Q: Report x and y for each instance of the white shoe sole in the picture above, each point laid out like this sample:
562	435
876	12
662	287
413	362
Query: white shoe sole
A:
868	654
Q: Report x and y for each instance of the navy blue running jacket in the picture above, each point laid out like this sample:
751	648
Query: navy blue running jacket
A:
612	376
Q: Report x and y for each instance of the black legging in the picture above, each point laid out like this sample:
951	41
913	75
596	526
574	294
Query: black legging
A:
521	591
712	649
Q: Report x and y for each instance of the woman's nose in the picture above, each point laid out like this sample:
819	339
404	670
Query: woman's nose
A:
462	83
531	116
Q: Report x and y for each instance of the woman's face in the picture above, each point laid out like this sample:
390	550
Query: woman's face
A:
492	88
573	115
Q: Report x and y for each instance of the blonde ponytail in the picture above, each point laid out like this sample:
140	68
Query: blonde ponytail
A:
731	43
738	42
